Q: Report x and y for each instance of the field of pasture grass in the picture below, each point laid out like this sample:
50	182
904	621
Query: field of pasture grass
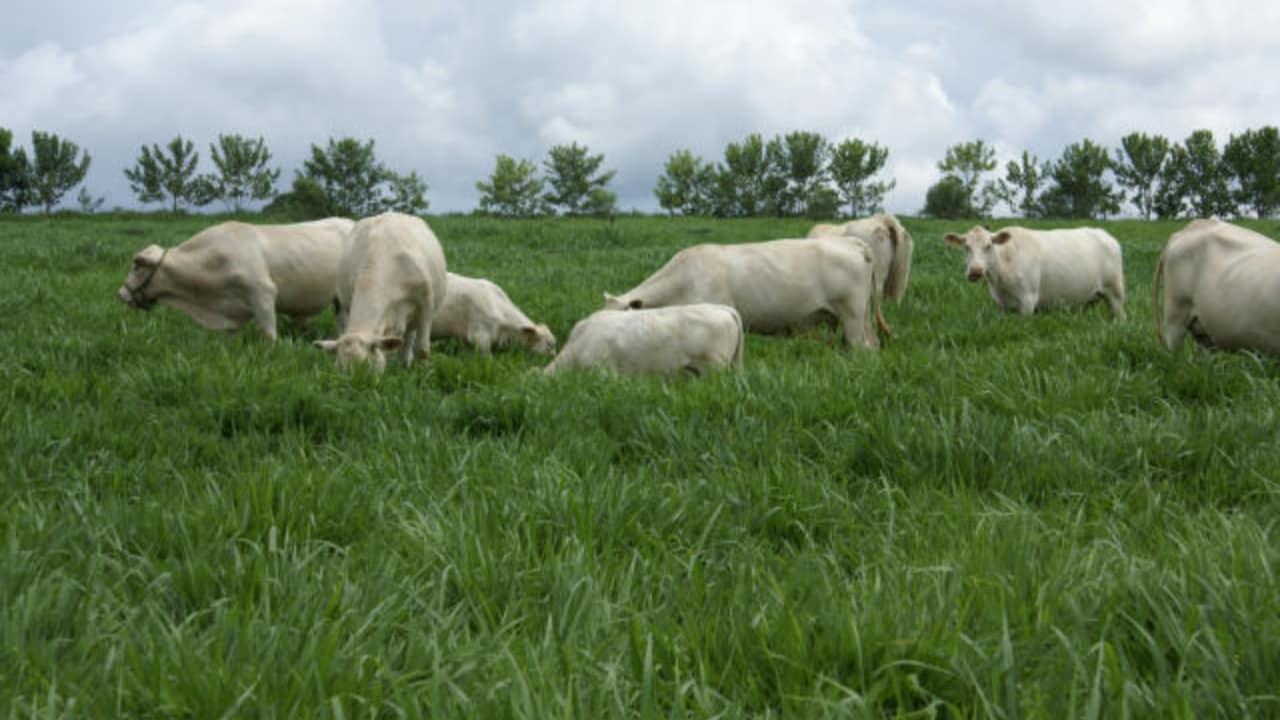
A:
995	516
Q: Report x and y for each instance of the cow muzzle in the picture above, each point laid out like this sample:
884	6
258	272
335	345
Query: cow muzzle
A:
975	274
135	301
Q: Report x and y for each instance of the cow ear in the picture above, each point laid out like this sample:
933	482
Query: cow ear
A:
529	332
1001	237
149	256
953	239
388	344
326	345
635	305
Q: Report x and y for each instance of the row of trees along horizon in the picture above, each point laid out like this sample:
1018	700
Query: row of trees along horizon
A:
797	174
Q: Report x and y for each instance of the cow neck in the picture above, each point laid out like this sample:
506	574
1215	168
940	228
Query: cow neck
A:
136	291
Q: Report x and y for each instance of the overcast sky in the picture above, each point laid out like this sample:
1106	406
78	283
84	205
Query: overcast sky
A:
443	87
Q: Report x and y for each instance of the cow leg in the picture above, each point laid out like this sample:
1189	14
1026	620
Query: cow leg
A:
856	323
422	342
1114	294
262	302
1177	320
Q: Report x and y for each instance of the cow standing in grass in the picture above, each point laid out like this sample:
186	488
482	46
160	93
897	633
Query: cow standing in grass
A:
1221	286
391	282
776	286
890	245
233	272
1029	270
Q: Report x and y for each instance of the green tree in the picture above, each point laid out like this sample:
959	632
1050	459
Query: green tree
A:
349	173
15	175
853	163
969	162
601	201
948	199
1170	193
408	193
305	200
1252	159
1138	163
1079	187
54	169
795	165
724	199
158	175
87	202
740	182
687	184
1203	177
577	184
822	202
513	189
242	174
1020	186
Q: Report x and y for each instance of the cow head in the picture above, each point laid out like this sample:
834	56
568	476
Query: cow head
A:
979	249
614	302
538	338
136	290
354	350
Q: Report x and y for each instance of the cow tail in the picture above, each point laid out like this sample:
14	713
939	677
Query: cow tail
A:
736	362
1157	309
883	326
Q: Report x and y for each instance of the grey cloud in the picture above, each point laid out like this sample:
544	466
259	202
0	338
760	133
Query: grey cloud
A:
444	87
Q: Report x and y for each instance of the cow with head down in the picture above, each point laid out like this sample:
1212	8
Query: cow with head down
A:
680	339
890	245
234	272
1028	270
391	282
1221	286
479	312
776	286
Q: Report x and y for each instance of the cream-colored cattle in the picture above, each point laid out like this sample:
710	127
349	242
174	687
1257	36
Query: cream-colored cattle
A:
775	286
233	272
890	244
667	340
391	281
1221	285
478	311
1029	270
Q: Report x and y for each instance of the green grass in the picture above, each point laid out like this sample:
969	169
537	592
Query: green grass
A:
995	516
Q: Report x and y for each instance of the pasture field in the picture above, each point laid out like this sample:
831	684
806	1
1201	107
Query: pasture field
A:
995	516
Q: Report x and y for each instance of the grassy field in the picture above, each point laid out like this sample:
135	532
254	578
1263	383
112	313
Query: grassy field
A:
995	516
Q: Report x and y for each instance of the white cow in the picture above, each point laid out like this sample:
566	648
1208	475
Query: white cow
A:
890	244
227	274
1029	270
391	281
1222	285
668	340
775	286
479	312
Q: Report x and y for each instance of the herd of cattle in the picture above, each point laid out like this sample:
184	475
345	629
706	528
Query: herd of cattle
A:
387	279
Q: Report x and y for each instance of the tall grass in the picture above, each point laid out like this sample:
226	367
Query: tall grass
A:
995	516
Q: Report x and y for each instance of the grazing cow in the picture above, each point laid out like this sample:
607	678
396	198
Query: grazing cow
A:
775	286
667	340
1222	285
890	249
391	281
227	274
479	312
1029	270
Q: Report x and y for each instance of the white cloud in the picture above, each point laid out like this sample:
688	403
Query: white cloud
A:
444	87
